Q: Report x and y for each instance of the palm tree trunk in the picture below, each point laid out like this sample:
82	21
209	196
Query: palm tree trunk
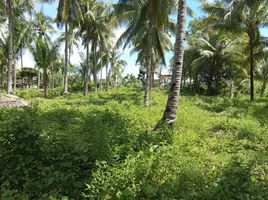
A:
152	79
106	78
263	88
14	74
101	76
148	67
160	75
21	59
86	71
65	81
39	78
45	80
112	74
95	81
21	66
95	78
52	76
251	46
170	112
10	47
2	77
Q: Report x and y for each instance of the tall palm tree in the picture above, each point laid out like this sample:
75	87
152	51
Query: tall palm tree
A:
10	6
161	44
68	12
242	16
170	112
144	18
262	73
23	33
117	66
42	29
217	55
3	59
95	29
44	53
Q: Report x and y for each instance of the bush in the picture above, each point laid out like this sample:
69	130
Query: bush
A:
216	150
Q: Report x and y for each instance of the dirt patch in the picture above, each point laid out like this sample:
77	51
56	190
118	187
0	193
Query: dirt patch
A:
12	100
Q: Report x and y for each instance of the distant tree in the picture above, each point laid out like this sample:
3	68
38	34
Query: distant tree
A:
245	16
69	12
145	20
9	8
217	56
44	53
94	28
130	81
262	73
28	74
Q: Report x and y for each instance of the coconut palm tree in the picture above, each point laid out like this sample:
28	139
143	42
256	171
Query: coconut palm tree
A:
217	56
262	73
117	67
42	29
3	59
144	19
68	13
245	16
23	32
10	7
95	29
45	53
170	112
161	44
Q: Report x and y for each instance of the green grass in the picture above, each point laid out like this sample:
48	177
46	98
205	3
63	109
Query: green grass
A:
104	147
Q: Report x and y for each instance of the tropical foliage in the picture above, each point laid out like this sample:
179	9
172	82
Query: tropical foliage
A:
181	127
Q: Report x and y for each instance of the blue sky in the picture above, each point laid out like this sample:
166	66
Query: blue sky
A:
131	68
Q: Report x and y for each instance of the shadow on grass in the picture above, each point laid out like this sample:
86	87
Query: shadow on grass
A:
257	109
54	152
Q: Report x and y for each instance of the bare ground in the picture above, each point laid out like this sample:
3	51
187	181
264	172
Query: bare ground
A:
12	100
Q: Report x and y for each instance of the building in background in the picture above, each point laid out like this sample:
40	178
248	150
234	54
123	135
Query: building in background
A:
265	41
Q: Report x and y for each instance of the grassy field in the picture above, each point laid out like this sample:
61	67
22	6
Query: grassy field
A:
104	147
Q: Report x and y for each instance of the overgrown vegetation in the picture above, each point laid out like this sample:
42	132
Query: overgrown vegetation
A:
72	145
104	147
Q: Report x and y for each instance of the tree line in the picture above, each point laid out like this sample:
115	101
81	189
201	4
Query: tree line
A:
224	48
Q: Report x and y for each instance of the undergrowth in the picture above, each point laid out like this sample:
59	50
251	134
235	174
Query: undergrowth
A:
105	147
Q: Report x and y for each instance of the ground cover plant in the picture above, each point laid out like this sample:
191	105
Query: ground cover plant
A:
104	147
133	99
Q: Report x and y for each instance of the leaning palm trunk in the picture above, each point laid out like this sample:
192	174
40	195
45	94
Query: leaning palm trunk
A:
10	46
170	112
85	79
148	67
65	81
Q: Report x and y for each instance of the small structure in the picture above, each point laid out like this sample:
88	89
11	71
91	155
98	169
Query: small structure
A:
165	78
265	42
